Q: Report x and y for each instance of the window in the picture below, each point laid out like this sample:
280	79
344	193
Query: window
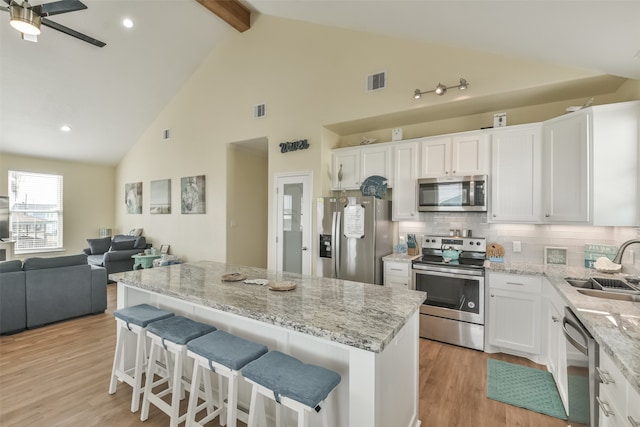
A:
35	205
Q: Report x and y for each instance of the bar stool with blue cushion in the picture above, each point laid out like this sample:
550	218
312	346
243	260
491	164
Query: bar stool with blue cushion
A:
169	336
133	320
225	354
291	383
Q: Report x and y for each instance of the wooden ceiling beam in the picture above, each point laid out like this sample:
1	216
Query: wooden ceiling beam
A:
232	12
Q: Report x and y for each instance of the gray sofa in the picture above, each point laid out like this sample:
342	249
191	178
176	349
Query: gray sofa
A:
45	290
114	254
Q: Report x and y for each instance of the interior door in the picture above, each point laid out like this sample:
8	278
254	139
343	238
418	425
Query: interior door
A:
293	228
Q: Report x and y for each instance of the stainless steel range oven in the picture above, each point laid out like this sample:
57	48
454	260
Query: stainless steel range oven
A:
454	309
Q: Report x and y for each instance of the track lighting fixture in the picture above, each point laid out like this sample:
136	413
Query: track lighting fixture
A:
441	89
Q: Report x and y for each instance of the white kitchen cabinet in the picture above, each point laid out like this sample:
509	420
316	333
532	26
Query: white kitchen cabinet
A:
566	169
455	155
633	406
619	402
347	163
590	166
397	274
555	341
405	174
359	163
516	174
515	314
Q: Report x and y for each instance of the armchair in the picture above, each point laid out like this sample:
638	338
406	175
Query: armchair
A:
114	255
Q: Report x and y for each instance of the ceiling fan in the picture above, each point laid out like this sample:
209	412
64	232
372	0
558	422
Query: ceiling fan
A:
27	19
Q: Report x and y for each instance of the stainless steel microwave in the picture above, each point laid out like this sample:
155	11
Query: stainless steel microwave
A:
453	194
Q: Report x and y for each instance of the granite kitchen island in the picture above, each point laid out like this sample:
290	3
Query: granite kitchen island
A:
366	333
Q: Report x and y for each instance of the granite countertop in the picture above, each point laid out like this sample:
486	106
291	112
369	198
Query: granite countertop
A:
359	315
615	325
400	257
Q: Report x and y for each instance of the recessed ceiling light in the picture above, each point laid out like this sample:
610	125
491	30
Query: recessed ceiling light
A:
127	23
65	128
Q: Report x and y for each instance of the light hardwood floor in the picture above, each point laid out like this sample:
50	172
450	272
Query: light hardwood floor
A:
58	375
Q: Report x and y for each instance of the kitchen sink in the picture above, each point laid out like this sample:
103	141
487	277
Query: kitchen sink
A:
620	296
602	283
579	283
611	284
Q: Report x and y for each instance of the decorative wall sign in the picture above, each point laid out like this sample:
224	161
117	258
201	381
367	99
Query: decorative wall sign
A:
192	194
300	144
161	197
133	197
553	255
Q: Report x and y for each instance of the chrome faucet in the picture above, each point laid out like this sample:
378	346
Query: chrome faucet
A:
618	258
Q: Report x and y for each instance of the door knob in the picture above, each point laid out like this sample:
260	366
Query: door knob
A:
304	248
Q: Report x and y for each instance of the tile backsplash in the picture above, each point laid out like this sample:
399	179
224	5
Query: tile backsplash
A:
533	238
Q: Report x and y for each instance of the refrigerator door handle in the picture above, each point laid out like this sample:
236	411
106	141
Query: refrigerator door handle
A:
336	236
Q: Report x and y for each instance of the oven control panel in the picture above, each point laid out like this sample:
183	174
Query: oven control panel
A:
473	244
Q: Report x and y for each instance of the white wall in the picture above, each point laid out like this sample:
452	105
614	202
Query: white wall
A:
247	191
308	76
88	196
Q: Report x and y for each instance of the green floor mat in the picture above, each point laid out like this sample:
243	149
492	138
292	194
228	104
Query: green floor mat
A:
528	388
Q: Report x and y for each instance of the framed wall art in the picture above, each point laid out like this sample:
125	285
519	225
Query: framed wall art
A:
133	197
161	196
555	255
192	194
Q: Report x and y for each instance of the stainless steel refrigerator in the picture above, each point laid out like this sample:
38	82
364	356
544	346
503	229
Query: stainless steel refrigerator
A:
355	233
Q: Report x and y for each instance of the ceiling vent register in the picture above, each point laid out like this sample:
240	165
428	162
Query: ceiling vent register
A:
259	111
376	81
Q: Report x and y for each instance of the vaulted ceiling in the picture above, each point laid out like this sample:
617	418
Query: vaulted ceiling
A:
109	96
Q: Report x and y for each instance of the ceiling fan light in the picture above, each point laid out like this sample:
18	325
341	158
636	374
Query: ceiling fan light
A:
25	20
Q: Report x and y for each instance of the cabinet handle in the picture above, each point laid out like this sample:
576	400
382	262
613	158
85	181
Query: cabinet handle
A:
515	283
396	269
547	215
605	377
555	319
446	173
454	172
492	295
494	215
633	422
605	407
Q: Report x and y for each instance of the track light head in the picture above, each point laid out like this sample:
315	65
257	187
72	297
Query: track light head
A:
440	89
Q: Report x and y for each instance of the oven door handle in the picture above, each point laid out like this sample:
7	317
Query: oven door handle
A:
446	274
580	346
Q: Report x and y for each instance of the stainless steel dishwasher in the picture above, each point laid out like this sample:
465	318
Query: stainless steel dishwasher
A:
582	361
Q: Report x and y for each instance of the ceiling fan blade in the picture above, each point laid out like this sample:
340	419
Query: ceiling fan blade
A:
6	9
58	7
72	33
8	2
